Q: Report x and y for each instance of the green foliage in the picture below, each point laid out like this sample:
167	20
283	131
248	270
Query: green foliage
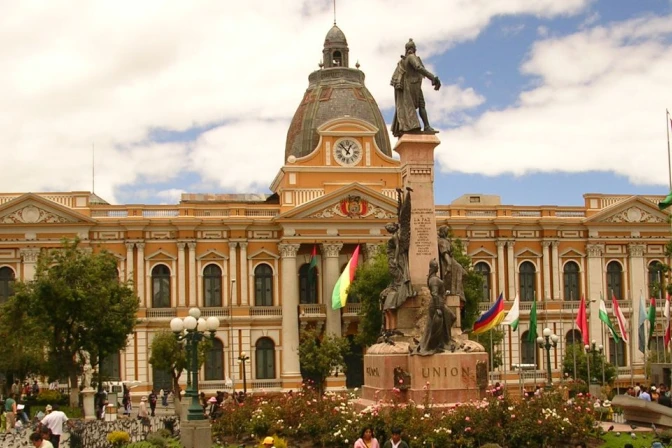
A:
47	396
371	279
472	283
321	357
78	304
168	354
597	360
118	438
490	340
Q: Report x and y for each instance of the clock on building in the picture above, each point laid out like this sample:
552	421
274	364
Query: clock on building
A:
347	152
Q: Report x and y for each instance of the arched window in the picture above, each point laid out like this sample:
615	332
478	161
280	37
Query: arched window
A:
527	281
212	285
483	269
527	355
338	59
6	283
265	359
160	286
109	367
307	284
573	337
214	361
655	278
571	279
615	279
263	285
617	352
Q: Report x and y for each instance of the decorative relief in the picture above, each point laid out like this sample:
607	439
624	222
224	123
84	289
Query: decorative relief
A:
29	255
331	250
288	250
545	244
594	250
500	243
636	250
33	215
634	214
191	245
353	207
372	250
140	246
511	243
181	246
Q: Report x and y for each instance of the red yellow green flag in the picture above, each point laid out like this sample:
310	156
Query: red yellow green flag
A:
339	296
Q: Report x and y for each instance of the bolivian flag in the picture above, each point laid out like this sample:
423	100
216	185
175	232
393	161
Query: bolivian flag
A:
340	295
491	318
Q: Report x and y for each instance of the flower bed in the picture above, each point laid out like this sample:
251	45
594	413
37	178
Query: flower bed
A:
332	421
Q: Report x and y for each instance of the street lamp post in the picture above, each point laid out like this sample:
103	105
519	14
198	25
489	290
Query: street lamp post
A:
548	341
601	350
192	330
591	351
242	359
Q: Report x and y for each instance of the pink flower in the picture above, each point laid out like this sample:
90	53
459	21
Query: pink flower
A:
467	419
467	429
401	381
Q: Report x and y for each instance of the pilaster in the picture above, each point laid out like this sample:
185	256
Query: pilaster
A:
595	276
129	261
140	266
233	270
29	258
501	270
510	244
546	267
244	278
555	257
193	299
372	251
181	269
291	371
638	287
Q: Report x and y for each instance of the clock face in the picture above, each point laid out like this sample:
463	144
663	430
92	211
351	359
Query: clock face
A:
347	152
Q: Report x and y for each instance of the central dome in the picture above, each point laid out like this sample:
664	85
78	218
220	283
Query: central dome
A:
334	91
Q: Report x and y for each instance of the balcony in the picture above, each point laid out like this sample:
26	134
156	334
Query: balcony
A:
266	311
352	310
266	385
312	312
215	311
161	313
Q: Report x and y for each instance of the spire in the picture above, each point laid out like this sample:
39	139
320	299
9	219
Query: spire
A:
335	52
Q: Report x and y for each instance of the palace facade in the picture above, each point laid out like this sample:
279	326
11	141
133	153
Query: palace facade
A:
245	257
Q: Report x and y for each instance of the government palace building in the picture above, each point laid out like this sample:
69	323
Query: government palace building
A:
245	257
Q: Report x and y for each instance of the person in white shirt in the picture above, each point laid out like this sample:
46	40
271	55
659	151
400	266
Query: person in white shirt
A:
54	420
37	441
644	395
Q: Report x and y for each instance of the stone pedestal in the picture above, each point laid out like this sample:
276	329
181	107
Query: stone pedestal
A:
88	395
416	152
196	434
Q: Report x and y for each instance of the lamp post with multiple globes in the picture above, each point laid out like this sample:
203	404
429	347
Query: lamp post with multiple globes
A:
592	350
242	359
548	341
192	330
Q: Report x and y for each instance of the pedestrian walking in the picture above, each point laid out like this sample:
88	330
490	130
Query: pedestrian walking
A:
367	439
152	402
54	420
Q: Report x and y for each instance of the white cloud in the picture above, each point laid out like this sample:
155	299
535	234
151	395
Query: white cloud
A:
79	72
598	104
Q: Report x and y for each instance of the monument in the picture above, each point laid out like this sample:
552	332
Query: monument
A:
422	353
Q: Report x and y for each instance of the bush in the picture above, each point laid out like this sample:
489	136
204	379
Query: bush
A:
118	438
46	397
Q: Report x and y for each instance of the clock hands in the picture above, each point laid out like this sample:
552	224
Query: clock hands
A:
347	150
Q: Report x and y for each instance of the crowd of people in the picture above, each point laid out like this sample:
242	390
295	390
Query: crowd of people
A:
660	394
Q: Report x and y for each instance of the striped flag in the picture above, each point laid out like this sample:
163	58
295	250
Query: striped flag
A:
339	296
513	317
604	317
491	318
666	313
622	323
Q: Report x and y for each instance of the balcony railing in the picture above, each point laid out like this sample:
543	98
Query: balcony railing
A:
353	309
215	311
161	313
266	311
312	309
266	384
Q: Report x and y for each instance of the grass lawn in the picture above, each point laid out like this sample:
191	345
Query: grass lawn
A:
644	439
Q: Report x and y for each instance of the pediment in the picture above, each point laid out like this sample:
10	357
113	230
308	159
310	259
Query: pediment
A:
634	210
160	255
572	253
212	254
354	201
33	209
482	253
263	254
527	253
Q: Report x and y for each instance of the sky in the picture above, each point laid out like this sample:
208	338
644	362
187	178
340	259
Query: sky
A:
541	100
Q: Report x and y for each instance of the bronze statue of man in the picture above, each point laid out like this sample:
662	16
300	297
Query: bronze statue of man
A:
440	319
452	272
408	97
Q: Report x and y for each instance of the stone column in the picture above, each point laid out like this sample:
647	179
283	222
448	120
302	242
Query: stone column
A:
595	280
557	268
291	372
193	298
511	267
501	270
29	257
181	282
417	161
372	251
233	271
546	263
331	269
638	283
129	261
244	278
140	266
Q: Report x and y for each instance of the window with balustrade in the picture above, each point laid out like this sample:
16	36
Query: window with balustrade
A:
617	352
214	361
570	277
528	350
265	359
212	285
527	281
161	286
6	283
484	269
263	285
307	284
615	279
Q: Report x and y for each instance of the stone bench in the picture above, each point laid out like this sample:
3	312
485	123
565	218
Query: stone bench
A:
641	411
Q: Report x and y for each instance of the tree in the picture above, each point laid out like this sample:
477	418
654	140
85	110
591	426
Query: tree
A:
491	340
80	304
321	357
371	279
597	360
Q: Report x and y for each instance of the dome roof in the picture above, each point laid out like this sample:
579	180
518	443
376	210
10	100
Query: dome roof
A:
335	91
335	36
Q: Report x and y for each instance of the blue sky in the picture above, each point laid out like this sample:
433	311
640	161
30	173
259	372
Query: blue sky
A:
542	101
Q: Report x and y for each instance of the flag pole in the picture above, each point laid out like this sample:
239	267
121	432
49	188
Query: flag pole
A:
632	342
504	327
571	298
668	123
536	347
